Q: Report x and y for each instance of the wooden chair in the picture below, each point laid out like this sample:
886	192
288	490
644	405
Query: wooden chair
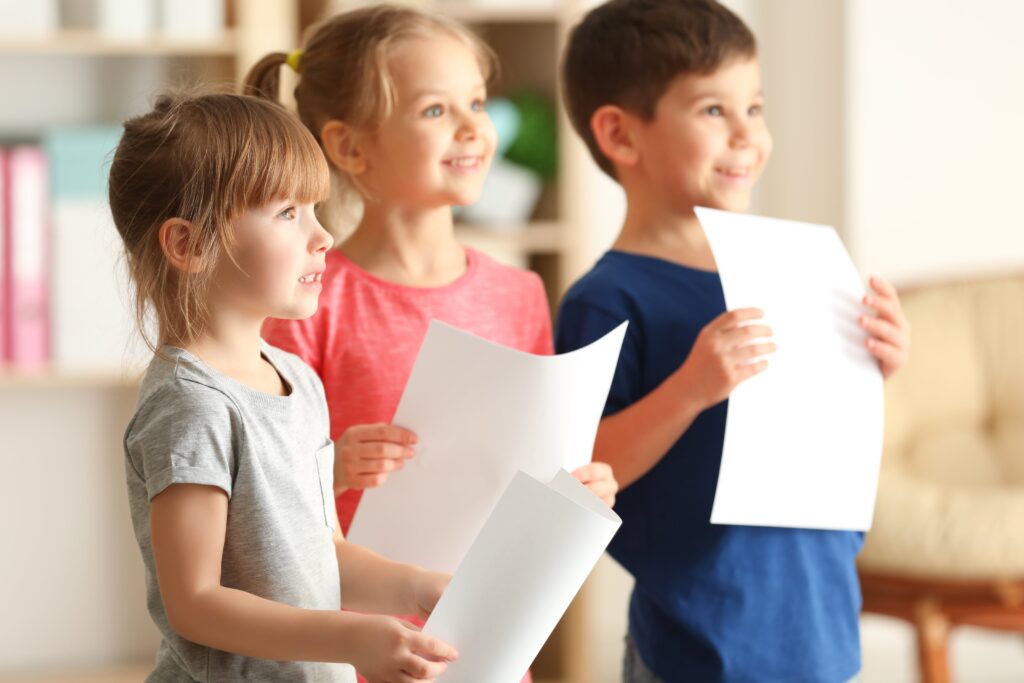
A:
947	544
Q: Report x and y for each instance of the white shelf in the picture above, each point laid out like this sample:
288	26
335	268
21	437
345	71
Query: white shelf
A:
92	43
478	12
52	378
542	237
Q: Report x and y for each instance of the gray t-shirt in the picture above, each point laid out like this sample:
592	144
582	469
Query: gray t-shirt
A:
274	458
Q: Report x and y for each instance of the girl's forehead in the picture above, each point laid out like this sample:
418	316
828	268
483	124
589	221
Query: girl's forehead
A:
438	63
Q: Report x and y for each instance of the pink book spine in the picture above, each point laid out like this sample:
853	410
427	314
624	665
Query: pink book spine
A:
5	265
29	258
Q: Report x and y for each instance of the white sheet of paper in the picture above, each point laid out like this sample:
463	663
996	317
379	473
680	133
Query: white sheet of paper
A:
803	440
482	412
518	578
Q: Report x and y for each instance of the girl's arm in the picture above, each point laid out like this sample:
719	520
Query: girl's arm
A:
188	524
371	583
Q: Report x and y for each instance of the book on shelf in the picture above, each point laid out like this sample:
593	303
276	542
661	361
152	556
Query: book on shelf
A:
26	260
64	294
93	324
4	270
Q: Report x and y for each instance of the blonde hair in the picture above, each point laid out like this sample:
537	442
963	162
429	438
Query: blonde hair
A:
204	159
343	74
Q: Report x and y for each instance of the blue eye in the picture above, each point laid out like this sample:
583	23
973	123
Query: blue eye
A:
433	112
288	214
478	104
714	110
756	110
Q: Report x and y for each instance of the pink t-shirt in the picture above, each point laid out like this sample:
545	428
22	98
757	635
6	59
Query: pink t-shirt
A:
364	337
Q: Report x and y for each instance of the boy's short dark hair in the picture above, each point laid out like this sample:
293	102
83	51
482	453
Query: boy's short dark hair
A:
626	52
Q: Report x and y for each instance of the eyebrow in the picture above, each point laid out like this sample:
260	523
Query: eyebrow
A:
716	96
435	93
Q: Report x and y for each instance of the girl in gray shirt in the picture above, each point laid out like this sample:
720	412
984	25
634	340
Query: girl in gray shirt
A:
228	461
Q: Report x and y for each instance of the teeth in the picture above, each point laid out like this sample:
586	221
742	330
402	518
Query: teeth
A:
464	162
308	279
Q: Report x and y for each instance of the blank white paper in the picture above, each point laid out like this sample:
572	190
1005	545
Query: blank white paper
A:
803	440
482	412
529	561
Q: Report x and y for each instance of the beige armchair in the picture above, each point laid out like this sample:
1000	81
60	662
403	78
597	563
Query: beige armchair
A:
947	545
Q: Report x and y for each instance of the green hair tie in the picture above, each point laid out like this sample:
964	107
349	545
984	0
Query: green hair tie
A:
293	59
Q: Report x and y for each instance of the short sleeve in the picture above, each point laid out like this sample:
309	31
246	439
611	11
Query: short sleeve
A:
581	323
184	434
540	312
301	337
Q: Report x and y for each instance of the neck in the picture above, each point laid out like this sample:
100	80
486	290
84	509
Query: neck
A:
657	229
415	247
230	344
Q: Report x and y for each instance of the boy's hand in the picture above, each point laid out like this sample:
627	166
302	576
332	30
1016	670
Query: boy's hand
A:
721	357
394	651
427	588
598	477
365	455
888	331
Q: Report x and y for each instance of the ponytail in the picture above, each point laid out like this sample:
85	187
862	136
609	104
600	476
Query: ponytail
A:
264	79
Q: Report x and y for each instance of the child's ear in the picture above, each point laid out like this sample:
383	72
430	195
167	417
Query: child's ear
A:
341	145
613	131
175	241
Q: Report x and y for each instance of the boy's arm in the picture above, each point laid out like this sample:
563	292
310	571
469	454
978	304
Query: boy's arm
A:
188	524
633	440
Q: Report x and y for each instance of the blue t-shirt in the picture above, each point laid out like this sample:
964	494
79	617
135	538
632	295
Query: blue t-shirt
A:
711	602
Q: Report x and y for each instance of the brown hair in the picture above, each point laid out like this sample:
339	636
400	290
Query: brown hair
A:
343	69
626	52
204	159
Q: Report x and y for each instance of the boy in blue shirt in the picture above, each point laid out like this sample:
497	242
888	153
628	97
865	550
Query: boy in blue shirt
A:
667	96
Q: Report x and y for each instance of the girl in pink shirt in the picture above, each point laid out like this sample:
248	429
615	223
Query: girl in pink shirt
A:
395	97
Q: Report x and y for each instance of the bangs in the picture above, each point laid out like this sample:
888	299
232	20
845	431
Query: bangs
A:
278	159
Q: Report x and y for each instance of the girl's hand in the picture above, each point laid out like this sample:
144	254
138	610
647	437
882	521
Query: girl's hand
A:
721	356
394	651
888	330
427	588
365	455
598	477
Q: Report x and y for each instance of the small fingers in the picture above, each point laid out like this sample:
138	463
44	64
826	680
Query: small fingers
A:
383	432
748	370
433	648
889	355
732	318
375	450
739	336
419	668
378	465
884	330
882	286
749	351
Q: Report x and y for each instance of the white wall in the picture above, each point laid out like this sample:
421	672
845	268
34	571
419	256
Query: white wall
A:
71	575
934	143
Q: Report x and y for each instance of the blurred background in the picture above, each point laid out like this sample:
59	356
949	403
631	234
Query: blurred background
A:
896	121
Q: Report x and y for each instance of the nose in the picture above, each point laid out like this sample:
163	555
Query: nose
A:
468	127
740	133
321	239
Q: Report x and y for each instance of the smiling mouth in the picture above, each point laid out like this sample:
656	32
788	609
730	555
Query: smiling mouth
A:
733	172
311	278
464	163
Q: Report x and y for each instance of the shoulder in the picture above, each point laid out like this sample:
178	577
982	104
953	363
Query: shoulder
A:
608	285
177	394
